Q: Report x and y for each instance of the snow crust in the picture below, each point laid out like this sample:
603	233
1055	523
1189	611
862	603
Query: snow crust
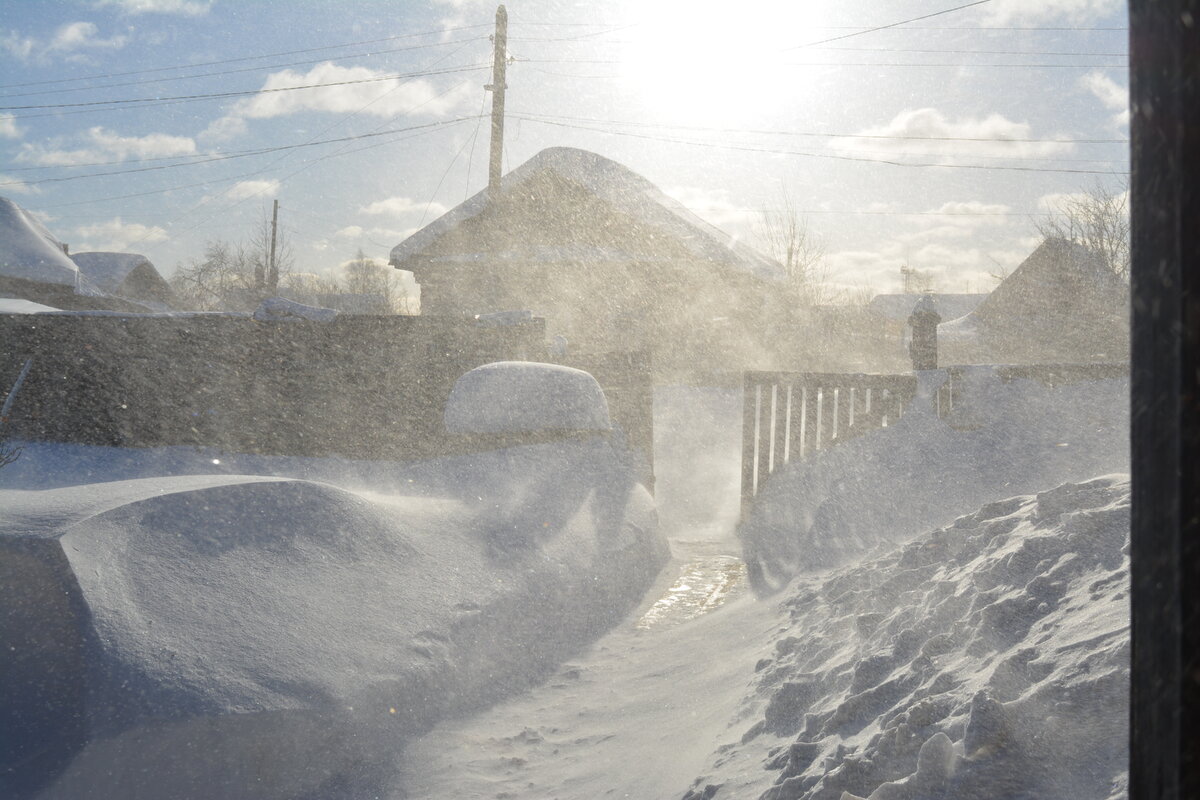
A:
279	309
522	397
247	636
988	658
881	489
15	305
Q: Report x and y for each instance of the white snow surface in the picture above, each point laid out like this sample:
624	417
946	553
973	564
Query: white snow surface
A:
28	251
249	636
15	305
280	309
524	396
1005	438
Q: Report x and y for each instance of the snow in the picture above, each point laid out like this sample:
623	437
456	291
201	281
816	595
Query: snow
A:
522	397
1013	437
29	252
274	632
627	191
15	305
279	309
949	615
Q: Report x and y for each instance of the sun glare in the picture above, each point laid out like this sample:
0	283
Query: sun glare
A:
705	61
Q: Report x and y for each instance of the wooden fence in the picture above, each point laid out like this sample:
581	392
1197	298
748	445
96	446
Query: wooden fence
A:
787	416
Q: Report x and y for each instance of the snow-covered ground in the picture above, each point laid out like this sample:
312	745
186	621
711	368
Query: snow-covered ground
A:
969	639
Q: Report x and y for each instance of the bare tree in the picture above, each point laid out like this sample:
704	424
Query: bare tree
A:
787	238
1098	219
372	277
234	276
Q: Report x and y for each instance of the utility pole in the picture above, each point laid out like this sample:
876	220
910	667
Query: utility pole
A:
497	87
273	271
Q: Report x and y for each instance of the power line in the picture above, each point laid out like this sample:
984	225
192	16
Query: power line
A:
839	64
260	68
831	156
242	58
240	154
889	25
540	117
152	101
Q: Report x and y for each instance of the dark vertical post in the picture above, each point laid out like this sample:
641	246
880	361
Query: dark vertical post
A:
497	87
272	269
924	321
1164	61
781	415
749	428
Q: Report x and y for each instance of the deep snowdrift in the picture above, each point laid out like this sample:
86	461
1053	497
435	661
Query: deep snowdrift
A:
1004	438
986	659
250	637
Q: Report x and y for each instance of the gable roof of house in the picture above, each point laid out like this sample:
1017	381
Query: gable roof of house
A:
615	184
109	270
29	252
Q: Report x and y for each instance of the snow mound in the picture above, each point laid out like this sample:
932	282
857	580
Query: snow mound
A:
522	397
989	658
1004	438
29	252
234	636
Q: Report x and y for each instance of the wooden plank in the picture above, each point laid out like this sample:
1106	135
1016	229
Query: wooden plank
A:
779	439
749	429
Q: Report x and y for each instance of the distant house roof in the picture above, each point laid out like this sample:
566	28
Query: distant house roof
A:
629	193
124	274
1061	304
28	252
899	307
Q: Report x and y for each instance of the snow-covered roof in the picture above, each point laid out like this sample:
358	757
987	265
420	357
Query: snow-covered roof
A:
899	307
109	270
620	187
29	252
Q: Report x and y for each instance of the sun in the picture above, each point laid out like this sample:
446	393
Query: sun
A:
706	61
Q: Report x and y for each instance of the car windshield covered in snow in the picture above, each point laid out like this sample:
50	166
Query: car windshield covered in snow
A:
562	399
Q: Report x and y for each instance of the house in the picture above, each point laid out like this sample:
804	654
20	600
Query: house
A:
1061	305
127	275
609	260
34	266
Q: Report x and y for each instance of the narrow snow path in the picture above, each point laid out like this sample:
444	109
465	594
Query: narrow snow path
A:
637	716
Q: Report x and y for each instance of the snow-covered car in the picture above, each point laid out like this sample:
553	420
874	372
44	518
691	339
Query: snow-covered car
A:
230	636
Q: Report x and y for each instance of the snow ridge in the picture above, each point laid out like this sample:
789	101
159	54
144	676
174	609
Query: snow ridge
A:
989	658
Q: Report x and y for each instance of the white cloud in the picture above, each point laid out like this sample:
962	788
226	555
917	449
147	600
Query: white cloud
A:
81	35
1075	11
244	189
17	46
349	232
104	144
190	8
117	235
716	207
403	206
934	135
13	185
379	95
224	129
69	40
1114	96
8	127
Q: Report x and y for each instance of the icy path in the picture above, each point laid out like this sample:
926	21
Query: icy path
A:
636	716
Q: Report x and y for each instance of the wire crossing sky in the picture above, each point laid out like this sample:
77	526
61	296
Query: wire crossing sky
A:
933	135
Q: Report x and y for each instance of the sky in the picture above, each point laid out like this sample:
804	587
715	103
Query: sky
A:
929	133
